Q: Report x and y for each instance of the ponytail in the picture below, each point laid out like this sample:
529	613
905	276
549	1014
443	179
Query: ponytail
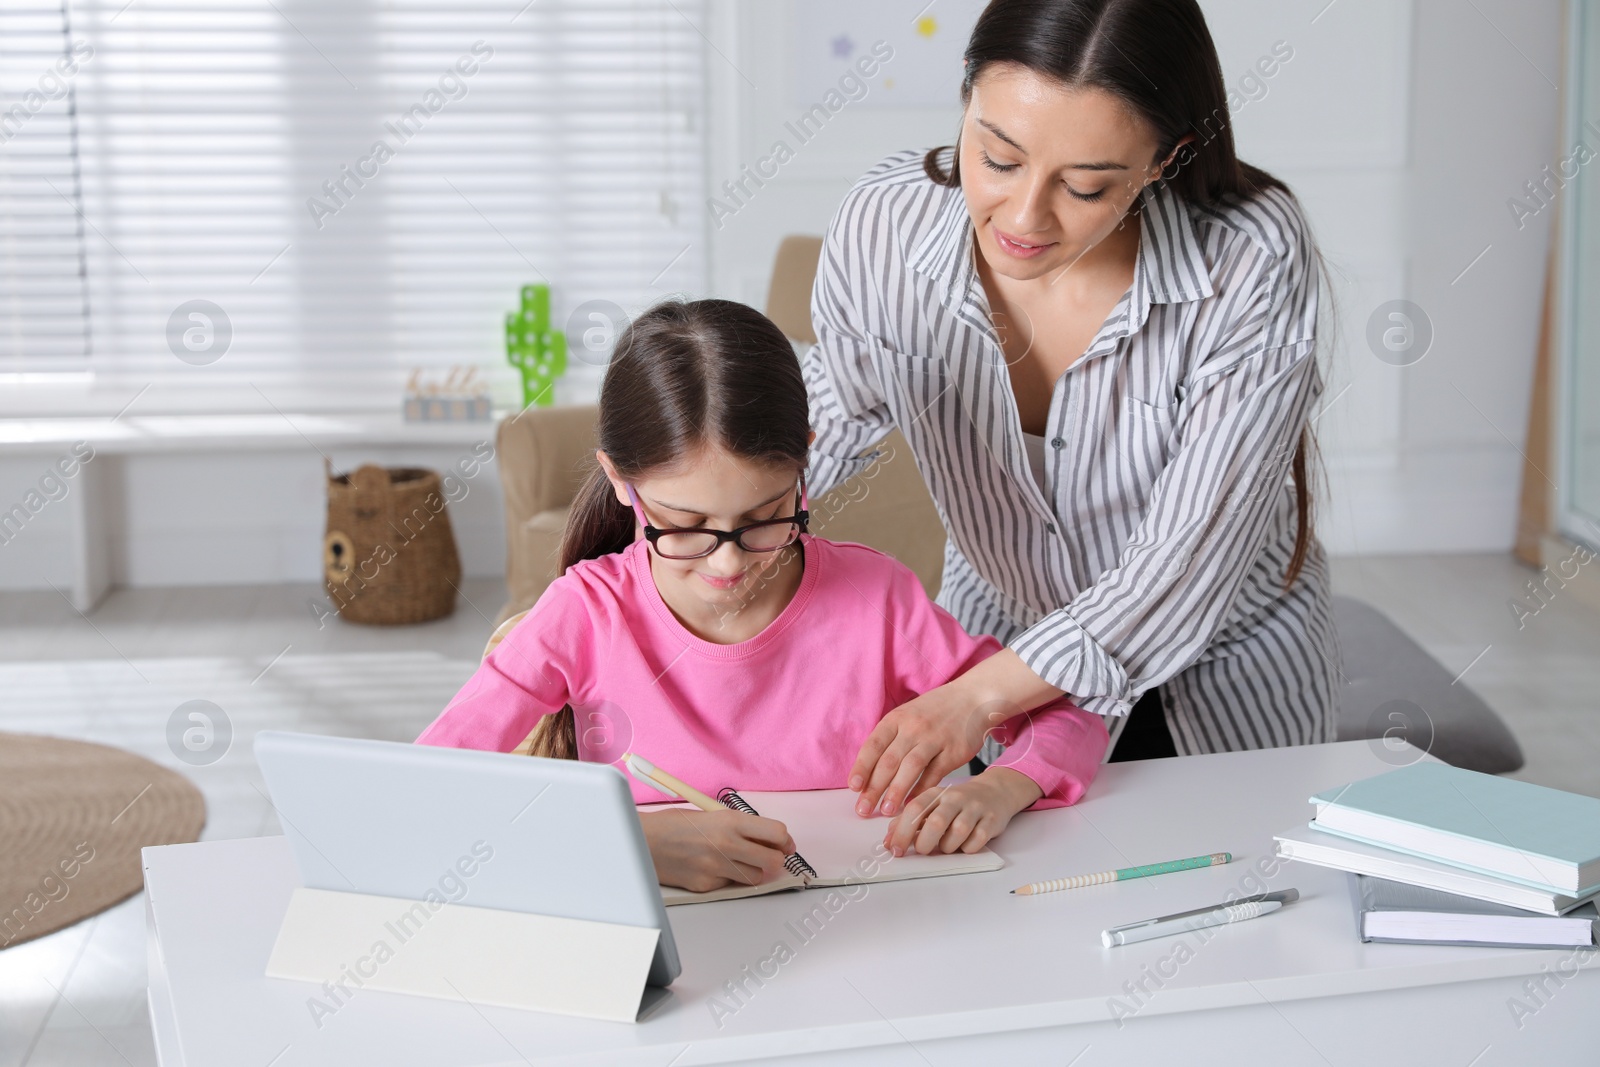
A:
598	523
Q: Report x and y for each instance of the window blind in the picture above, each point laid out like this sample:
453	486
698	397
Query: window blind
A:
43	314
344	192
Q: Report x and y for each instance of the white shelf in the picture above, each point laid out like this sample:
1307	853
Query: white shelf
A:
247	432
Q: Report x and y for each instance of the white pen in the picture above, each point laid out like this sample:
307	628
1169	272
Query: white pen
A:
1198	919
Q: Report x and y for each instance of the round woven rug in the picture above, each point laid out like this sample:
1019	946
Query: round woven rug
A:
73	817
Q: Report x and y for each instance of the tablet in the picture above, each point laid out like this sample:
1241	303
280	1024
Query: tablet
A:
480	829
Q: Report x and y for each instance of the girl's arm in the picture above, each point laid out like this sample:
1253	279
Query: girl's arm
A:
962	817
493	712
1053	750
500	704
532	673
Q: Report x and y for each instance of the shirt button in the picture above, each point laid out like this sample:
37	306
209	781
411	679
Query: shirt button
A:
1050	527
1057	442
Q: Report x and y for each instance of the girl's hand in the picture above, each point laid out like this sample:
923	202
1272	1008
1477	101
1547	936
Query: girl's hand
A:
705	850
964	816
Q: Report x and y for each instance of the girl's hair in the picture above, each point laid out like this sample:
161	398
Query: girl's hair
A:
683	376
1119	46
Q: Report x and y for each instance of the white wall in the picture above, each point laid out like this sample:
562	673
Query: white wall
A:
1404	125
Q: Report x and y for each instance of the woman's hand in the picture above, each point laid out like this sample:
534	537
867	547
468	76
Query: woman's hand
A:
964	816
914	746
705	850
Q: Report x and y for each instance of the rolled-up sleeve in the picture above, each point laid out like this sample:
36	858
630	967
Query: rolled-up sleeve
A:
1209	513
843	386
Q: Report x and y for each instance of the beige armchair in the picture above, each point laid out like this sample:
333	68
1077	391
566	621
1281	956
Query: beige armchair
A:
545	454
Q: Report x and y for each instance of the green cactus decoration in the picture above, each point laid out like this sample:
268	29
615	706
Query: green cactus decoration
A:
532	347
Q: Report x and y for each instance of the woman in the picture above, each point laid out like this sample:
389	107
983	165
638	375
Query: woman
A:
1096	328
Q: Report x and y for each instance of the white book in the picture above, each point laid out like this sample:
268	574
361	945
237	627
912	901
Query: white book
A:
1410	914
1310	845
839	847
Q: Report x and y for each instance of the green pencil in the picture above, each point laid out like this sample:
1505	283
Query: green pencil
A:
1122	875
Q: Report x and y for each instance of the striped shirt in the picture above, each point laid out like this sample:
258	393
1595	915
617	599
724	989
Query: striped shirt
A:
1155	555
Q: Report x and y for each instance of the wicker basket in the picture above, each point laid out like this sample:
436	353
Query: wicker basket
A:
389	557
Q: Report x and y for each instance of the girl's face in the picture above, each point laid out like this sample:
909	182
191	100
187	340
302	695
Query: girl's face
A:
712	490
1048	172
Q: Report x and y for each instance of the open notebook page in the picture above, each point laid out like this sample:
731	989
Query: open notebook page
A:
840	845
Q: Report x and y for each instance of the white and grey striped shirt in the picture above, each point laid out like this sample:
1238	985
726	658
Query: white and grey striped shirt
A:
1157	555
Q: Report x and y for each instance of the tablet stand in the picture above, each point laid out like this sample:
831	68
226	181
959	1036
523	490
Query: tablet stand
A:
455	952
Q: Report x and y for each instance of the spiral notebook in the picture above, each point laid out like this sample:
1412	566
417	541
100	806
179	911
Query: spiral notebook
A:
836	847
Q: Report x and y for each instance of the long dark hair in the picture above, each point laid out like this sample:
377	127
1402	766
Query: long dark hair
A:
683	375
1119	46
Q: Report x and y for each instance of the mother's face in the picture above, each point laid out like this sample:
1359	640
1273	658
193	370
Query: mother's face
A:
1048	171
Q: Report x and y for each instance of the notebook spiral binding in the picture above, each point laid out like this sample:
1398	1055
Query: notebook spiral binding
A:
795	863
736	802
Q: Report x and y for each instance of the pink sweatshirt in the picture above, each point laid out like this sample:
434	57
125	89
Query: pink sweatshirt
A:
787	709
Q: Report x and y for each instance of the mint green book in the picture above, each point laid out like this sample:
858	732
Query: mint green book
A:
1528	833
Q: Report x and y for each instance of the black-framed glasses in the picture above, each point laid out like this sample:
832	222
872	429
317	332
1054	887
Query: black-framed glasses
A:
768	535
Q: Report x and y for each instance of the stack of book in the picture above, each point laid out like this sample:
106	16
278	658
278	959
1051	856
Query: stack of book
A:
1445	855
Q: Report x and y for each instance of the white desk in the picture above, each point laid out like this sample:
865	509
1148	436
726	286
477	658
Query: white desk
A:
945	971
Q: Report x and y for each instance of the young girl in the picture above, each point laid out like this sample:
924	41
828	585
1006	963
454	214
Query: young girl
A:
697	623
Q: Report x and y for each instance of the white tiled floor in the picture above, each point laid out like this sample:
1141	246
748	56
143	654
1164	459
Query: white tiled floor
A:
76	997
